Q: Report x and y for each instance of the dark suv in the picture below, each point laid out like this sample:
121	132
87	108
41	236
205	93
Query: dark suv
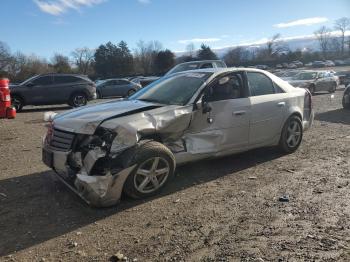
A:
49	89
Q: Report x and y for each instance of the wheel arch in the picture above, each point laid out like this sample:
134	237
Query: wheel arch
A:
20	96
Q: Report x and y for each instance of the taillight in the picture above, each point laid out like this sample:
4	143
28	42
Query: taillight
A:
308	99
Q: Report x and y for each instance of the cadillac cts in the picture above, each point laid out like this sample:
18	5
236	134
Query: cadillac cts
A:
133	145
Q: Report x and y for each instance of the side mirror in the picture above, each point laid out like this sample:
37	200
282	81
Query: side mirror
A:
205	107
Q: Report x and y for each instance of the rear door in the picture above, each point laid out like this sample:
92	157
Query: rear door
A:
268	109
64	86
40	90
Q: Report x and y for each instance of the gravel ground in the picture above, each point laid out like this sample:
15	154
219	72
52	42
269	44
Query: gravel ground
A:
226	209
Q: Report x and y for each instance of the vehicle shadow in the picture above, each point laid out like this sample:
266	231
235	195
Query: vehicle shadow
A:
44	109
34	208
341	116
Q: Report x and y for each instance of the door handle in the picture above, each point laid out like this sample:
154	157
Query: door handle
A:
239	113
281	104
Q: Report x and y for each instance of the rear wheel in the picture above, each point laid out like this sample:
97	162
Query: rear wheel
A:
155	165
77	100
17	103
292	134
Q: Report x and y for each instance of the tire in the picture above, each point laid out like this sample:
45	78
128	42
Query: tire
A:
77	100
345	105
292	128
333	88
149	157
312	89
131	92
17	102
99	96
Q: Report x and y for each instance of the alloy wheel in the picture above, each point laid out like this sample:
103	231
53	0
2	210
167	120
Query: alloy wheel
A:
151	175
79	100
293	134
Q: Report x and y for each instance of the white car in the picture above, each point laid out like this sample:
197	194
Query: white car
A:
134	145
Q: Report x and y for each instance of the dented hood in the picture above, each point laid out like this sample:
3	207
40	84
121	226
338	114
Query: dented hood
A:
86	119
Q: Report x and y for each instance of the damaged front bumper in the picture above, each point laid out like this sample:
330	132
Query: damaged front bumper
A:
100	191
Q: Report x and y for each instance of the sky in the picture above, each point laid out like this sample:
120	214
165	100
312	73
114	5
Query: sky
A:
45	27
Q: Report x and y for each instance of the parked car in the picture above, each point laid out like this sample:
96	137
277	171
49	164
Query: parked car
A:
287	75
292	66
134	145
339	62
264	67
317	64
279	66
329	63
315	81
197	65
298	63
344	77
346	97
117	87
145	80
50	89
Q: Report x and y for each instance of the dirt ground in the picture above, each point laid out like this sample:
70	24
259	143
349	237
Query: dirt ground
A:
226	209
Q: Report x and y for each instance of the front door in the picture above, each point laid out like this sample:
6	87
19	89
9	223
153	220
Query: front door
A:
226	127
39	90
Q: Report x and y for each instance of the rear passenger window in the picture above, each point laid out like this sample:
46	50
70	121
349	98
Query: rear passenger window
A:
260	84
43	80
66	79
207	65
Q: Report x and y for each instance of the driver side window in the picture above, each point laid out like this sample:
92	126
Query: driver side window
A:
225	88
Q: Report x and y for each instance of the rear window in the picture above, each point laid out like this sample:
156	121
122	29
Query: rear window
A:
66	79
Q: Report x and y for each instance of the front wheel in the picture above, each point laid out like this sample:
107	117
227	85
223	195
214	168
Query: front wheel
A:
131	92
78	100
155	165
292	134
346	101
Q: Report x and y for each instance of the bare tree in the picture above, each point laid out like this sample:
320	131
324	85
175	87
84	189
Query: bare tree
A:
234	56
83	59
61	64
191	50
5	56
145	54
342	25
323	35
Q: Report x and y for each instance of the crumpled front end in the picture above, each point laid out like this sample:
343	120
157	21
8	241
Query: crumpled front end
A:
96	166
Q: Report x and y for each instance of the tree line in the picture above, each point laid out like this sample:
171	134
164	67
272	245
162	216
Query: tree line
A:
277	51
107	61
150	58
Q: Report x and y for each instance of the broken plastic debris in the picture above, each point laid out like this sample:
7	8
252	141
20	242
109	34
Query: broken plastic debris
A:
284	198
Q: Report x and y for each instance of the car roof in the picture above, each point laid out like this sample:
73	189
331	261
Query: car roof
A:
202	61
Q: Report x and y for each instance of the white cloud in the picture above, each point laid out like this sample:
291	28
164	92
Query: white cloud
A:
199	40
58	7
305	21
145	2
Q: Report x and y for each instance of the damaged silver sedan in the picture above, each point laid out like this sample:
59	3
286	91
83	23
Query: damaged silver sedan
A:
133	145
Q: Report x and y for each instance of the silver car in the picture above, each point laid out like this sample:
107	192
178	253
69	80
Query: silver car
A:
315	81
194	65
134	145
116	87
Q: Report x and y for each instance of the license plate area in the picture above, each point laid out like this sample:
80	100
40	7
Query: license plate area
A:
47	157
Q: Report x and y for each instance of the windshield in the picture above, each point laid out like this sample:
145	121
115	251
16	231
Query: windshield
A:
184	67
173	90
305	76
29	79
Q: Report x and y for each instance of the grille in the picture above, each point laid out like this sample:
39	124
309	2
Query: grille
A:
61	140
